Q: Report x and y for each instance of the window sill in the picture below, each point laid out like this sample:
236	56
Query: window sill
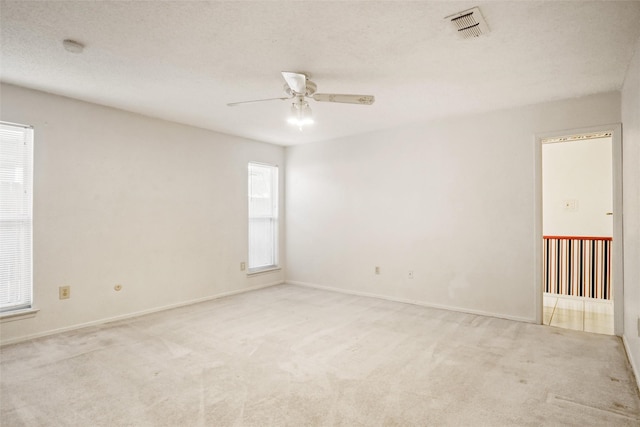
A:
10	316
266	270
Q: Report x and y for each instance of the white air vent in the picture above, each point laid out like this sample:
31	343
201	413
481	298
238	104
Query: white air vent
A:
469	23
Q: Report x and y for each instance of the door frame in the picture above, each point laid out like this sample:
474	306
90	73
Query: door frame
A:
617	278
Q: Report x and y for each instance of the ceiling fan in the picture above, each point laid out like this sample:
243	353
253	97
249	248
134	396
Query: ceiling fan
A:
298	87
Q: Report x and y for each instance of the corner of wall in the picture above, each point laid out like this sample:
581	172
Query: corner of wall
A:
630	107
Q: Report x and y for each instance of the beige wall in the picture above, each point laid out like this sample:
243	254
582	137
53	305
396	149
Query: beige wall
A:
451	200
119	198
631	199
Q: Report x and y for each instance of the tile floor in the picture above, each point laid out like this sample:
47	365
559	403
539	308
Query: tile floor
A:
582	314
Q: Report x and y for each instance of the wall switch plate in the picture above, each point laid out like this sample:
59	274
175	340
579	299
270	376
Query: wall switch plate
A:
377	270
64	292
243	266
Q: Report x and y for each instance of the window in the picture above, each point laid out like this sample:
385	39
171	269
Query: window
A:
263	217
16	197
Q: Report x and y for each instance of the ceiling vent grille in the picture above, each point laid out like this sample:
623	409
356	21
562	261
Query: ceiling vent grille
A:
469	23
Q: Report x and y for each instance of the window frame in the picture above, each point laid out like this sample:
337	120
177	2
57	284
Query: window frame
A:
23	209
274	217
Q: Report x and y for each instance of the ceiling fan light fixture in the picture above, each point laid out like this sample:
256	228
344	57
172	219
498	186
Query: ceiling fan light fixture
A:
300	114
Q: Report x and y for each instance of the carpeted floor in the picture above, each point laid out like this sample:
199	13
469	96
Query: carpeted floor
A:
294	356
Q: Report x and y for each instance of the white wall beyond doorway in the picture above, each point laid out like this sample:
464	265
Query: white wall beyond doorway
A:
577	188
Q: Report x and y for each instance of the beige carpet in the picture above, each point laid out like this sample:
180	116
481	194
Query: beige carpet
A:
294	356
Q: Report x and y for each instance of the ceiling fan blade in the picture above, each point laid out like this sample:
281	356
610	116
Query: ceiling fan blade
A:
296	81
345	99
233	104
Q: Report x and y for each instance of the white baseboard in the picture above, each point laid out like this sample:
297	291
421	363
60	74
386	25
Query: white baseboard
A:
136	314
632	362
412	301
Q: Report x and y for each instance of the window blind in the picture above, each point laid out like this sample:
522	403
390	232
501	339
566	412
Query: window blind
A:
16	198
263	217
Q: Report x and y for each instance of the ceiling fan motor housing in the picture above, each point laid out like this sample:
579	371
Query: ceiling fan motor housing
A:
310	89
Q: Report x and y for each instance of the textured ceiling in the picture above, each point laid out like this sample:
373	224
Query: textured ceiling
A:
185	60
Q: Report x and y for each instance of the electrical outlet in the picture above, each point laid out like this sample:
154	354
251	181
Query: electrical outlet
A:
64	292
410	275
243	266
377	270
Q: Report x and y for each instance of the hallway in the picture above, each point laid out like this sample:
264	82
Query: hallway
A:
581	314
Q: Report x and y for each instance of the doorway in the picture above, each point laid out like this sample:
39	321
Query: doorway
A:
578	234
